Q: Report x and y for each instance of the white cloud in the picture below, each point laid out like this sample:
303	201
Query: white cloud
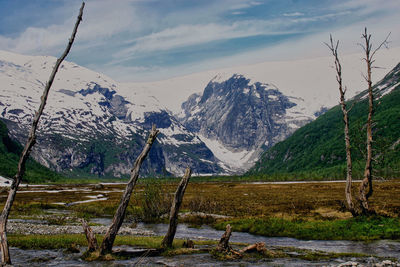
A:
245	4
294	14
101	20
110	25
189	35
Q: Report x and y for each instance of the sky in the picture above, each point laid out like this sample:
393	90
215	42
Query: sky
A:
150	40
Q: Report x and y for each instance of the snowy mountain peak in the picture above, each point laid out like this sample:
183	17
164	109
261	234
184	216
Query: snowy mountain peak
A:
238	119
92	124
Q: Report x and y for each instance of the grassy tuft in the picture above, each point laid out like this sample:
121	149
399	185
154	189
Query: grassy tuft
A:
361	228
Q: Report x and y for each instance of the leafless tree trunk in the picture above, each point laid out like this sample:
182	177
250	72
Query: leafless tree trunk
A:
90	236
367	181
349	199
5	255
108	241
176	204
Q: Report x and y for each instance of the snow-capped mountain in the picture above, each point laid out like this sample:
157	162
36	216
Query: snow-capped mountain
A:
308	83
92	124
238	119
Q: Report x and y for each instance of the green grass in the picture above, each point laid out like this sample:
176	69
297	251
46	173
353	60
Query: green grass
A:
64	241
356	229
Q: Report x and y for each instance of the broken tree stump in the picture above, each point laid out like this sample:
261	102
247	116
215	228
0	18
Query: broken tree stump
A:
90	236
176	204
223	244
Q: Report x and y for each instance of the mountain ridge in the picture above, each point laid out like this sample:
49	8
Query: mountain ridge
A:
317	149
238	119
90	126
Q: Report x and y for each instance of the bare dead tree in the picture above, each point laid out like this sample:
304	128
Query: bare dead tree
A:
333	47
5	254
176	204
366	183
108	241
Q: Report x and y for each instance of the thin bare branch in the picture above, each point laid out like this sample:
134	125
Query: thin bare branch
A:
384	43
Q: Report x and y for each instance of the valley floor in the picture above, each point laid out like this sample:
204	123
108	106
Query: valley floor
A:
306	210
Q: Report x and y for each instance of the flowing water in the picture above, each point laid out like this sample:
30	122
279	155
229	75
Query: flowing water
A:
383	248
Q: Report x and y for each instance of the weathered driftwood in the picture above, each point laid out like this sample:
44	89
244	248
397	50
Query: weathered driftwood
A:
258	247
90	236
176	204
108	241
223	244
224	247
345	111
5	255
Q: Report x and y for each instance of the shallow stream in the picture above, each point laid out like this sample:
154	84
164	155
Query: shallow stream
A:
383	248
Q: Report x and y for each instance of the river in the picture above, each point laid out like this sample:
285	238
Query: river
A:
383	248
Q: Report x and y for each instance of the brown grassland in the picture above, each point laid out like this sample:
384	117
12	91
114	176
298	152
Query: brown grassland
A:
236	199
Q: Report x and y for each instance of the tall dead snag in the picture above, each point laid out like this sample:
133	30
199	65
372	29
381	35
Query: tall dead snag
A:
176	204
338	67
367	180
5	255
90	236
108	241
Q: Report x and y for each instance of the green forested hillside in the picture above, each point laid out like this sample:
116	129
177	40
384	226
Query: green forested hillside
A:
317	150
9	155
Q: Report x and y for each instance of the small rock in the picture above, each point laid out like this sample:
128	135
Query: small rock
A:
348	264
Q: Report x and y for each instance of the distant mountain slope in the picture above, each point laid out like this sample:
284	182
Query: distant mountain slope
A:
9	156
93	125
238	119
317	149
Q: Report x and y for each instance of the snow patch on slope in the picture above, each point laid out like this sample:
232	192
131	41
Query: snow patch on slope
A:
233	160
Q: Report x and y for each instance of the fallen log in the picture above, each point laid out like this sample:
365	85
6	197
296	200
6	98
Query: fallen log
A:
256	247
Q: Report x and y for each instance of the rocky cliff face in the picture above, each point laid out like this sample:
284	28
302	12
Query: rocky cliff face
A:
238	119
92	124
